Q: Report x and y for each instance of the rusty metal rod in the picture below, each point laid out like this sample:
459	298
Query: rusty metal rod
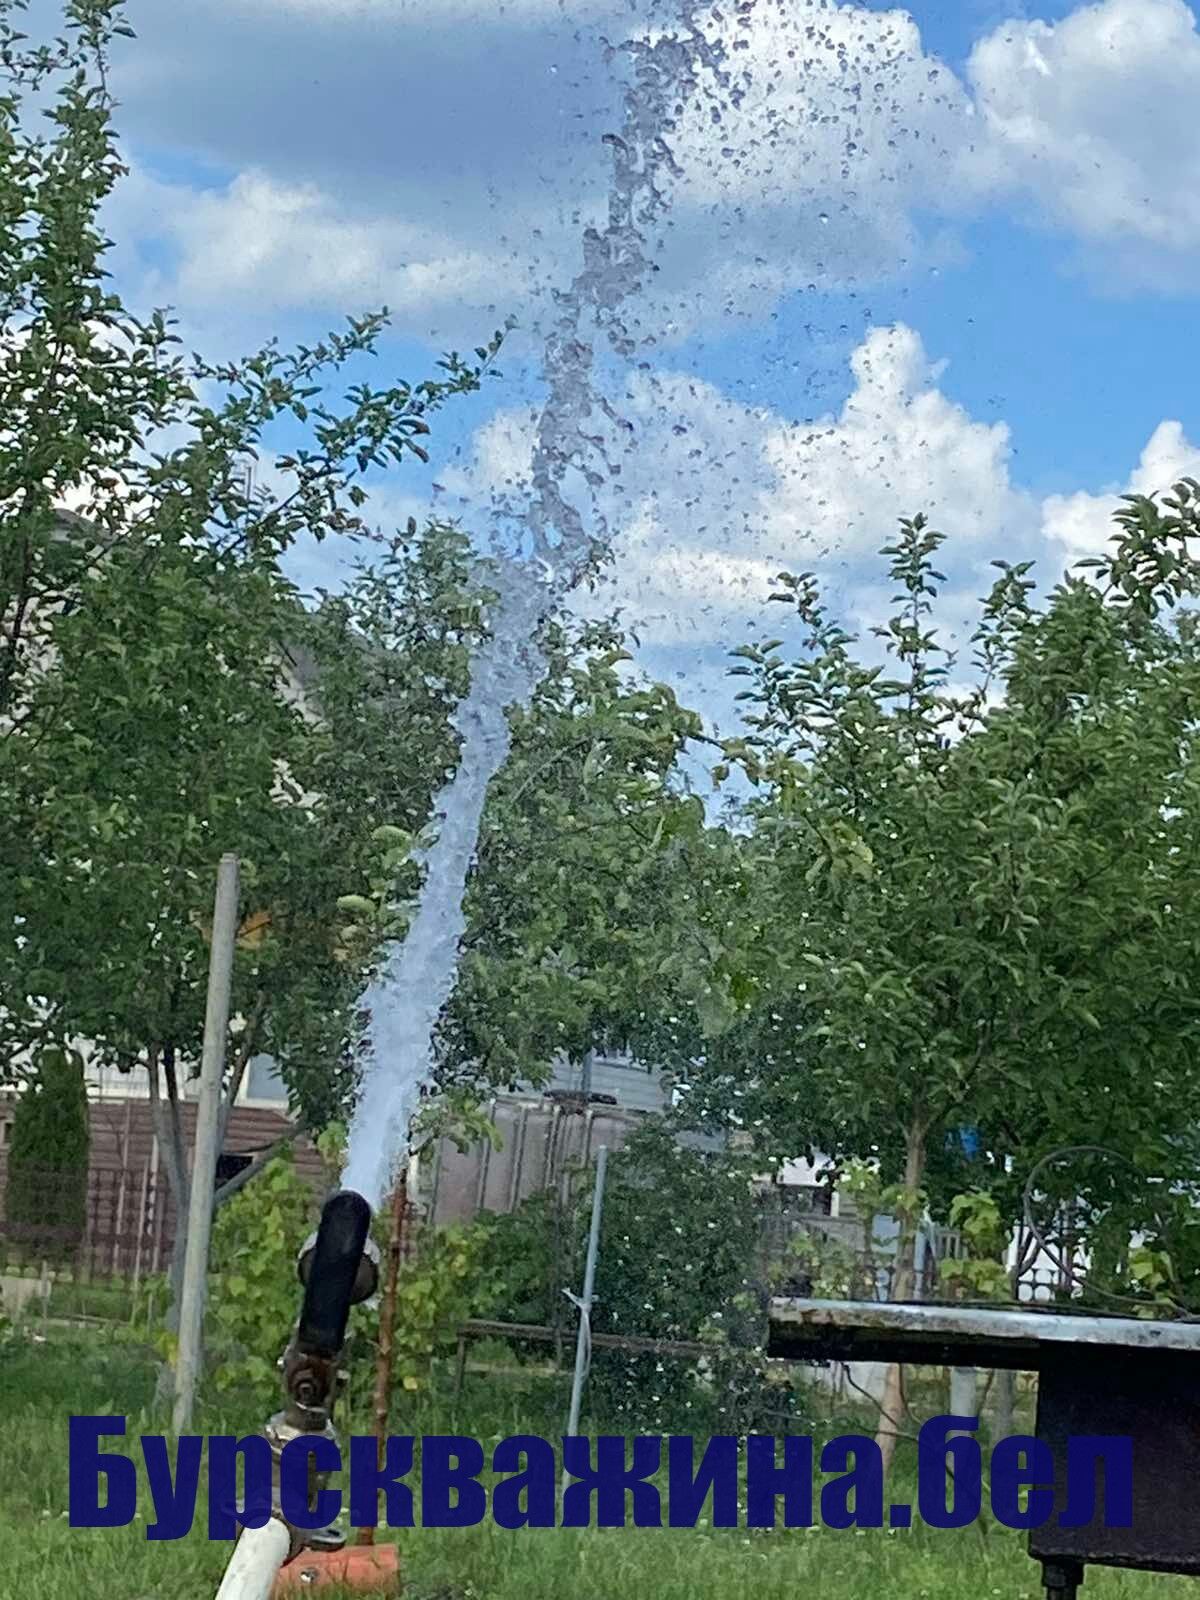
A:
387	1329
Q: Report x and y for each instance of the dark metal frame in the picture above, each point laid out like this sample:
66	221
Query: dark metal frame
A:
1096	1375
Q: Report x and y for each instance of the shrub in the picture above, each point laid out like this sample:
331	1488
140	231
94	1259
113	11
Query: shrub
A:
255	1295
678	1261
46	1202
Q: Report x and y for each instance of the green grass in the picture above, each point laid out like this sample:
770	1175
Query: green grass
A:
71	1297
41	1558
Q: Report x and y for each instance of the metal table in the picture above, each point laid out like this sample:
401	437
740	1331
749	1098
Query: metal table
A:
1096	1375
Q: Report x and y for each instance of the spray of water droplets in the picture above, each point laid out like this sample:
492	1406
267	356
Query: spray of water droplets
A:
560	541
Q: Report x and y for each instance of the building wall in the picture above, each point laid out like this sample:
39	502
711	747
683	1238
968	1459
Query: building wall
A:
131	1210
634	1086
261	1088
541	1142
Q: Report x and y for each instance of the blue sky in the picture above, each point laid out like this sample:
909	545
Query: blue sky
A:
983	306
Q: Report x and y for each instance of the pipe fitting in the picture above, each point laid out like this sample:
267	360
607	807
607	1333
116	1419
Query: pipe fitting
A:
280	1431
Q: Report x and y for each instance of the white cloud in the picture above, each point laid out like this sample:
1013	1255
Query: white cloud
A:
1094	117
804	169
717	498
1081	523
838	130
807	169
417	11
277	246
823	96
898	446
845	130
824	496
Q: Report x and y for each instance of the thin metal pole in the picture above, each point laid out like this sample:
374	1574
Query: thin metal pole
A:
583	1337
204	1158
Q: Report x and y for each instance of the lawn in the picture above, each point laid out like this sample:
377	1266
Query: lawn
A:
41	1558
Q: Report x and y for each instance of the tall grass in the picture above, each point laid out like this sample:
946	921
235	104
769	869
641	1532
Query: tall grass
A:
42	1558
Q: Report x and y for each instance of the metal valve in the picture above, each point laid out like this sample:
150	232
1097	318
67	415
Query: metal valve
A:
366	1281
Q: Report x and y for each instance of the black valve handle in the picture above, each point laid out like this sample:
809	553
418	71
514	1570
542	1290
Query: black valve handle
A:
333	1272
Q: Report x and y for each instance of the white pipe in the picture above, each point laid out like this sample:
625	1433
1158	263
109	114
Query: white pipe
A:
255	1563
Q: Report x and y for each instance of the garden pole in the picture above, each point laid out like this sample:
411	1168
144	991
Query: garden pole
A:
583	1339
204	1158
397	1249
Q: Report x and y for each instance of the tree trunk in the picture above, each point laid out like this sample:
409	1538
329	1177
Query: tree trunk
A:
168	1125
241	1060
1005	1403
165	1117
964	1391
891	1405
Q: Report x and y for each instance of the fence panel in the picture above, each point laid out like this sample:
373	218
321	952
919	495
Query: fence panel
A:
122	1229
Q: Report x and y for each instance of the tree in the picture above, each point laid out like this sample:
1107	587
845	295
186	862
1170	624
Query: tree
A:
389	658
143	723
100	409
163	749
978	916
172	741
580	928
682	1258
147	730
46	1192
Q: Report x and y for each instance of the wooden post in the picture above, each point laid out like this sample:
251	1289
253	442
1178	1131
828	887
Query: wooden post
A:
141	1230
118	1223
460	1365
387	1329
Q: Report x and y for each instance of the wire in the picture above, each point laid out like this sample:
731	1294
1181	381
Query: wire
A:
1067	1269
893	1423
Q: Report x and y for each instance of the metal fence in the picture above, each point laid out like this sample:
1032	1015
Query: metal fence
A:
124	1229
541	1143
